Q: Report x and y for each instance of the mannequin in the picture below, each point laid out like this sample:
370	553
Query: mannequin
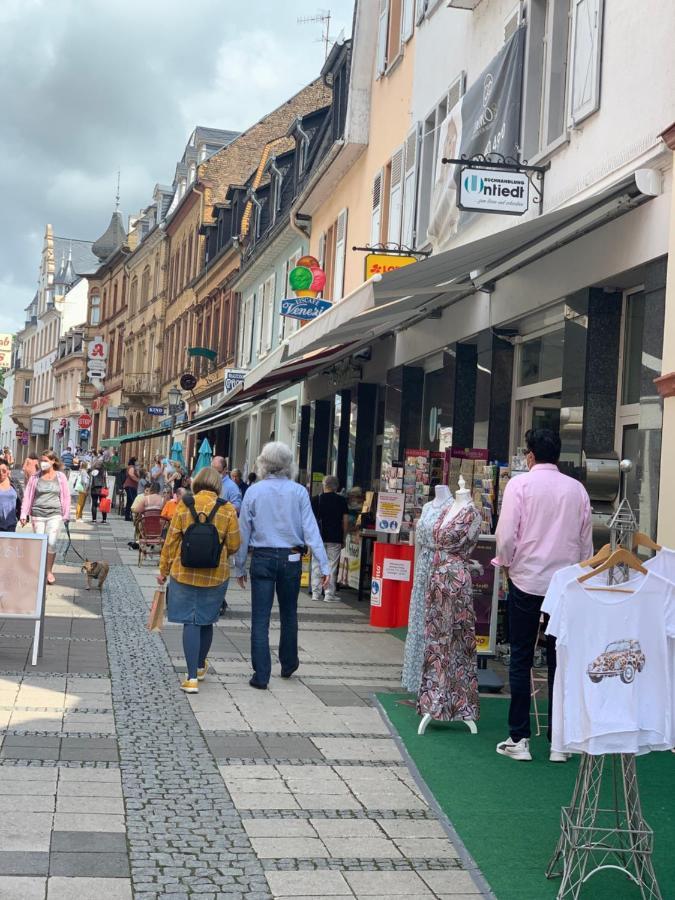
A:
451	693
413	656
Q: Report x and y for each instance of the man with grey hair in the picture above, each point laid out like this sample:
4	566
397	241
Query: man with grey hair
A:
229	491
332	516
276	522
235	475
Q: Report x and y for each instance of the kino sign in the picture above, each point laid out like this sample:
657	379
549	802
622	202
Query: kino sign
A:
494	191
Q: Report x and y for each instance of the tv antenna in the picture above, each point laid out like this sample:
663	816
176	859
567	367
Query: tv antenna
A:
323	16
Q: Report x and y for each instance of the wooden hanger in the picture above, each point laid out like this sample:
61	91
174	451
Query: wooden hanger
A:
620	557
602	554
640	539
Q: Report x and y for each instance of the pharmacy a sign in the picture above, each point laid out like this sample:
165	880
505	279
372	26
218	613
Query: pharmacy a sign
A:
494	191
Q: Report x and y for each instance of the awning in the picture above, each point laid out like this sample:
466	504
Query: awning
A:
390	301
211	418
134	436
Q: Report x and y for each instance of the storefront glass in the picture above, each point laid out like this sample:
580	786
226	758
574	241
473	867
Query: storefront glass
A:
439	400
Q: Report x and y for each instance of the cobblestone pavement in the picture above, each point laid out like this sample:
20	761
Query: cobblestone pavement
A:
129	788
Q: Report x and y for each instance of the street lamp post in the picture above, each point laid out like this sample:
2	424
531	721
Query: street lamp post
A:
175	397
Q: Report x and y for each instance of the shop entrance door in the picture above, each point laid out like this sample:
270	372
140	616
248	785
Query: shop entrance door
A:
542	411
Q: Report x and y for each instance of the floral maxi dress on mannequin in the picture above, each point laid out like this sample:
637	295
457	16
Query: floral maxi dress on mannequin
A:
449	688
413	656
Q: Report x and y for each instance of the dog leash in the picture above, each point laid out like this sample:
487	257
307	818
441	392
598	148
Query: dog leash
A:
70	545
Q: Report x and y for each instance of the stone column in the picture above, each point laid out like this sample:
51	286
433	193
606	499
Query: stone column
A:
666	386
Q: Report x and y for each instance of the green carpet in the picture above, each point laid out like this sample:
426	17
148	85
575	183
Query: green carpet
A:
508	813
400	633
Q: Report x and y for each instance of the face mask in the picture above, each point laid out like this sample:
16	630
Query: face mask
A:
45	466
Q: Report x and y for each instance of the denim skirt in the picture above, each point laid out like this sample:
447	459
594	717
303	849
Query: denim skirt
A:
190	605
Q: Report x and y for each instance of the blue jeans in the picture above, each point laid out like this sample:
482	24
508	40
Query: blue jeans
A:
270	571
524	611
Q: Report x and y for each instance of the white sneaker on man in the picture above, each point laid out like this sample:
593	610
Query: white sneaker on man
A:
519	750
557	757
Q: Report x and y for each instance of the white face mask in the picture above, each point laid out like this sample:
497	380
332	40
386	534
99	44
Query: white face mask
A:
44	465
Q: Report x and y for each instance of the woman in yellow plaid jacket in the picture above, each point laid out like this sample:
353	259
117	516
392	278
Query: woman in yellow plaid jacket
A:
194	596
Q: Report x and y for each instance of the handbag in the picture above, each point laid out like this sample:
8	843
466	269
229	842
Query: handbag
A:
156	617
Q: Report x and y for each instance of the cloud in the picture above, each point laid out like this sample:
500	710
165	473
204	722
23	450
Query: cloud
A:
87	87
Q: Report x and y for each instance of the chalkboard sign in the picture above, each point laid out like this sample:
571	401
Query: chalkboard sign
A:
23	570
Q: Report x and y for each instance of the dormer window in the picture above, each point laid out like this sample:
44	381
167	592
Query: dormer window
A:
276	178
257	215
202	152
303	148
192	172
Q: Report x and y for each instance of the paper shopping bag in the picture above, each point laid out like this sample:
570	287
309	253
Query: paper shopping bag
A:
156	617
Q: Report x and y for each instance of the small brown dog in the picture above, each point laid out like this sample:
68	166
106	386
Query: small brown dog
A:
96	570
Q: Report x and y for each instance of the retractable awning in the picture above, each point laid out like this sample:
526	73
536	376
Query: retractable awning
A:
388	302
211	418
134	436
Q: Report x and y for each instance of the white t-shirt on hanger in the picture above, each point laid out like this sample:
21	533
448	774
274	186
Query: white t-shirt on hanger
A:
613	690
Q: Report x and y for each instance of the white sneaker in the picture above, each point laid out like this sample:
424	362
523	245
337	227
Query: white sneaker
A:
331	599
557	757
519	750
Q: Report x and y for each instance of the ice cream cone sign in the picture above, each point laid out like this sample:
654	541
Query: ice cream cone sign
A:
307	279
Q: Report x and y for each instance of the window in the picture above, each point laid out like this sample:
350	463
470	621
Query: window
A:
26	390
94	309
246	331
407	19
288	325
266	294
376	213
541	358
586	58
632	348
410	187
382	30
275	194
549	105
332	249
394	31
145	286
395	25
395	205
420	10
428	155
133	296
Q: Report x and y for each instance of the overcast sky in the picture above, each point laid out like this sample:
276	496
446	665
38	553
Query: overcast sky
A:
89	86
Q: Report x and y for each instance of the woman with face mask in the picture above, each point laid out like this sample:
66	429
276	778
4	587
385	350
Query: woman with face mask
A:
47	502
9	498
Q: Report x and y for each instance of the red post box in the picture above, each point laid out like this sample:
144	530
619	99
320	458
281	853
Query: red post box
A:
391	584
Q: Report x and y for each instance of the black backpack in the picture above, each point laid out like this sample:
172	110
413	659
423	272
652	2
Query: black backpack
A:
201	546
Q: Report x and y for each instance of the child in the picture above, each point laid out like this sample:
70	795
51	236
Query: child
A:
105	503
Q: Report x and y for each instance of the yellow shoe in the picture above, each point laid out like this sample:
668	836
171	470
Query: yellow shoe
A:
190	686
201	673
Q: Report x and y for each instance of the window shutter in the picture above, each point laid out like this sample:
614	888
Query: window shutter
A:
412	146
586	58
322	249
420	9
396	197
456	91
407	19
376	216
270	286
382	33
340	248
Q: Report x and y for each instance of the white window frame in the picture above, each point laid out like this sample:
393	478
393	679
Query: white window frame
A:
582	111
376	208
381	60
420	11
395	217
288	325
410	178
340	255
407	20
246	331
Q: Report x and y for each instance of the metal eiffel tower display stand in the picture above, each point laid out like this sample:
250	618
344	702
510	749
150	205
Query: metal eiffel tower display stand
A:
615	836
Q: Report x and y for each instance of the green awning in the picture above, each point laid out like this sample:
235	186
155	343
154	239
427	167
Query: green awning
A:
134	436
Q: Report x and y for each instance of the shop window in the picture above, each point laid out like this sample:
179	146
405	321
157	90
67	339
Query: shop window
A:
632	348
439	402
541	358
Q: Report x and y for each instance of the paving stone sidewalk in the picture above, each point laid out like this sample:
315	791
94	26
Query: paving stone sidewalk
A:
130	788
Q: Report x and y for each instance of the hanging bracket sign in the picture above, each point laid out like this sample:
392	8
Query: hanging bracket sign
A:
494	191
305	308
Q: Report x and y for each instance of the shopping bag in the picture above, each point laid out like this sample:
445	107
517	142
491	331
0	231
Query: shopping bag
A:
156	617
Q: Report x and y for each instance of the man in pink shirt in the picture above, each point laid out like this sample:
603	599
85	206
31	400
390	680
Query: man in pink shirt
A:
544	525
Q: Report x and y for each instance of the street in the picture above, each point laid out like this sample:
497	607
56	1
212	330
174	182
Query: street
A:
130	788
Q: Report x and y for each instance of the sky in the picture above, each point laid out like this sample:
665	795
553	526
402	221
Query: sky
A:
88	87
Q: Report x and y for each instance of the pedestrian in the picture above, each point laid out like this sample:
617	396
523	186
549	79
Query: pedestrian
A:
157	471
176	476
99	482
47	502
235	475
332	516
82	485
229	490
252	478
195	592
171	505
31	466
130	486
276	521
10	498
544	525
8	456
67	460
151	498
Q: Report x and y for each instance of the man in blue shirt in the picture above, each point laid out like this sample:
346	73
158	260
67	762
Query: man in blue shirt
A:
230	491
276	522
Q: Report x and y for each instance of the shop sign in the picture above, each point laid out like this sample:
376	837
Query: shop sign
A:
39	426
113	412
166	423
5	350
389	513
97	354
381	263
485	120
156	411
485	580
188	381
494	190
306	308
233	377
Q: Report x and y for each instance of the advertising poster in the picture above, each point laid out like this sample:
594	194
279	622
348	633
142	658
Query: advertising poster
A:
485	579
352	558
389	515
5	350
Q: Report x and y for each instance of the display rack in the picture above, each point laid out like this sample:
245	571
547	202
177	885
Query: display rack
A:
593	837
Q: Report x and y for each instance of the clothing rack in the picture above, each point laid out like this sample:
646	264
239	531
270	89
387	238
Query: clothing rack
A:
593	837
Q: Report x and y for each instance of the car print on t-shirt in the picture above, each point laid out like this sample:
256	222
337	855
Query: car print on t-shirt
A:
622	658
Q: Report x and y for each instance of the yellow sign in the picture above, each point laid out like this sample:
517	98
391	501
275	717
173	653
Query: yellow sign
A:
5	350
381	263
